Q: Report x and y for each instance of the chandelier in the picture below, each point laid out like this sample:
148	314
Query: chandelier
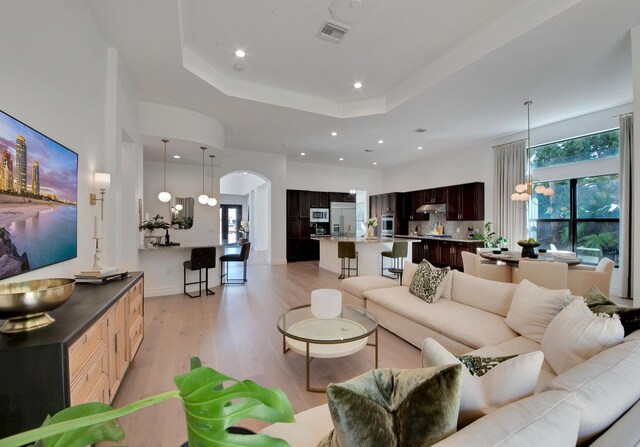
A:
523	191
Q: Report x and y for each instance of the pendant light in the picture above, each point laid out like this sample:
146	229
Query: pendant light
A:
164	196
523	191
212	201
203	198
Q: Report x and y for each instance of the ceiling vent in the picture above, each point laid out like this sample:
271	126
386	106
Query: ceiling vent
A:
332	32
420	130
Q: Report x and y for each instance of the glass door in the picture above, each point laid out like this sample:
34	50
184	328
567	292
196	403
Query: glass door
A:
230	217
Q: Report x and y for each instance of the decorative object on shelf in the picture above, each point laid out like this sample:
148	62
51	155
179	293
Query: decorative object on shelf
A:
24	304
489	237
210	413
203	198
152	224
372	222
326	303
97	235
212	201
528	246
102	182
523	191
164	196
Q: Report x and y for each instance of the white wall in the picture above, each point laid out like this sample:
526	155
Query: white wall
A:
60	78
235	199
258	229
635	229
316	177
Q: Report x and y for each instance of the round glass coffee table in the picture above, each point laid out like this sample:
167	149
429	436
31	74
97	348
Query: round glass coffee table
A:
327	338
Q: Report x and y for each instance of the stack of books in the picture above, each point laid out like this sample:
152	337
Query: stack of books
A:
100	276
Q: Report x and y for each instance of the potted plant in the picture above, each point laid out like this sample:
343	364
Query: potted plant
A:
211	411
489	237
372	222
156	223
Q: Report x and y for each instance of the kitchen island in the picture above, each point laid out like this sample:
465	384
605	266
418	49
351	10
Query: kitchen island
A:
369	259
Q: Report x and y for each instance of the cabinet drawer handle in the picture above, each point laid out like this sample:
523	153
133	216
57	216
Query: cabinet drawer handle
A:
116	342
86	377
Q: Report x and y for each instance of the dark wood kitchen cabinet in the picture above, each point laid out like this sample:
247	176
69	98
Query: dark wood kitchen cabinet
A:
465	202
435	195
342	197
298	239
418	199
318	199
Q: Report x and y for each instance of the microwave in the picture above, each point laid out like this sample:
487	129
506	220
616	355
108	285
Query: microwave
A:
319	215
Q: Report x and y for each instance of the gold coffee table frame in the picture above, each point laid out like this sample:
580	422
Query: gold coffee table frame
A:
327	338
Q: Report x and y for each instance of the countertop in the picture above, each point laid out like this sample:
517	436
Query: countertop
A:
359	240
436	238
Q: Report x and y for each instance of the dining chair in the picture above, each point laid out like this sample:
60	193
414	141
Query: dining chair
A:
549	274
476	266
582	277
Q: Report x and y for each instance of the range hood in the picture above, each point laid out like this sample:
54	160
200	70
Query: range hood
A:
432	208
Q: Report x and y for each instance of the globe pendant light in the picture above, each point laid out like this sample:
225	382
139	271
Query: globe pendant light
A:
203	198
164	196
212	201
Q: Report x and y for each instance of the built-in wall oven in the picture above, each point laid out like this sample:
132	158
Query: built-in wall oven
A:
387	225
319	215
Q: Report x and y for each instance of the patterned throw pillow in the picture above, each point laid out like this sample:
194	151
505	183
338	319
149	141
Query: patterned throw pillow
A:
426	281
598	303
479	366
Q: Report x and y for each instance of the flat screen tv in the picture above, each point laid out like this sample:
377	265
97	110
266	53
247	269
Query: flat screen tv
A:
38	199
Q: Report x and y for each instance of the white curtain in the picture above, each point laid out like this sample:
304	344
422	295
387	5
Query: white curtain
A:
510	218
626	205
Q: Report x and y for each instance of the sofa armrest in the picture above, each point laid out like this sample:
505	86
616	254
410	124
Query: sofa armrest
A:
624	432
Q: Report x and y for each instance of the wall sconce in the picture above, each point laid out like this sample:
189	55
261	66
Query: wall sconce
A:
102	182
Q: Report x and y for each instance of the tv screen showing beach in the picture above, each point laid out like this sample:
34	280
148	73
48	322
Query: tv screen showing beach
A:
38	199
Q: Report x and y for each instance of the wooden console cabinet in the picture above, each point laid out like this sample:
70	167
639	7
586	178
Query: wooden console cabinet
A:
82	357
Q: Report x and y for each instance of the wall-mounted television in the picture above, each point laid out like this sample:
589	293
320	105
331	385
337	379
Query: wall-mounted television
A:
38	199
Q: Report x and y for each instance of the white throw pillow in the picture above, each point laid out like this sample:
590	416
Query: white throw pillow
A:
504	383
533	307
576	334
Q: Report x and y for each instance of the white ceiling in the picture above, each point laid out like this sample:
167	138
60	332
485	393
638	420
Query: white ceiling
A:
459	68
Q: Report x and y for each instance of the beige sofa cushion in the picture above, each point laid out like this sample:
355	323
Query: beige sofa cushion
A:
466	324
550	419
492	296
358	284
309	428
606	386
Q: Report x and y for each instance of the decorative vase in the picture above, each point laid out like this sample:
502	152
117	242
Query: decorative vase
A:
370	233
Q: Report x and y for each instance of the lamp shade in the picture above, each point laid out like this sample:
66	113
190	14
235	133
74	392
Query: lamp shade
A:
178	207
164	196
212	201
102	180
203	199
326	303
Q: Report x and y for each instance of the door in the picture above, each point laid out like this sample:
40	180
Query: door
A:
230	217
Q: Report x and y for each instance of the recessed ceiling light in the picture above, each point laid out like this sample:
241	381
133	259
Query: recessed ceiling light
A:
240	53
302	154
375	163
341	159
176	156
334	134
357	85
380	141
238	67
419	148
245	173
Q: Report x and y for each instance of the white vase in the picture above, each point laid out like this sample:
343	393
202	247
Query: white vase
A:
371	233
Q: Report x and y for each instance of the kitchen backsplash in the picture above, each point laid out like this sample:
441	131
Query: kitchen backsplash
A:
454	228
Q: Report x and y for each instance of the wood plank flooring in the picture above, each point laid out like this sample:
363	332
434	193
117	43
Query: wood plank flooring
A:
234	331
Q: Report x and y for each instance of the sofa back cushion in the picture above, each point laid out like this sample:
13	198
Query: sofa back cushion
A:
492	296
549	419
606	386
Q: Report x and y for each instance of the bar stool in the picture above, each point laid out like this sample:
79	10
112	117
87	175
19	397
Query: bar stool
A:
243	256
201	258
397	254
347	252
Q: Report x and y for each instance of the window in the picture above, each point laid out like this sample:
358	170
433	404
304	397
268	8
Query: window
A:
582	216
589	147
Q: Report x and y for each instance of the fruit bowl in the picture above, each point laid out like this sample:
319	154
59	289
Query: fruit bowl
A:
527	247
23	304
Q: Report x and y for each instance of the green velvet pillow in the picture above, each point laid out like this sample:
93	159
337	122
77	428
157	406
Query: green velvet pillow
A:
598	303
426	281
395	407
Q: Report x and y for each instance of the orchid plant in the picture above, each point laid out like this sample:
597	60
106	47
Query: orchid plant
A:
372	222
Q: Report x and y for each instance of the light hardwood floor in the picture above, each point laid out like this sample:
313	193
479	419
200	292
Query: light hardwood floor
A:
234	331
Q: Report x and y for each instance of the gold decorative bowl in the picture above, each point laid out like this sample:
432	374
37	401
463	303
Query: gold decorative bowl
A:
23	304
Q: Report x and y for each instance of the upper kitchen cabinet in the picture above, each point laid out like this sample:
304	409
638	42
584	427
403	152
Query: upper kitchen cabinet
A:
342	197
435	195
318	199
465	202
418	199
298	203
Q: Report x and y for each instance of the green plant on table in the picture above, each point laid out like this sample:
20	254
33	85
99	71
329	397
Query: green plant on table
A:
210	409
156	223
489	237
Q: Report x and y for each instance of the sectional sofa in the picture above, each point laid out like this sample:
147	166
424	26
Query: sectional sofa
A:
594	402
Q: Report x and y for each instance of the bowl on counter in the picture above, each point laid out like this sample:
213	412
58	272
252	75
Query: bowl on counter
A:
496	252
24	304
528	248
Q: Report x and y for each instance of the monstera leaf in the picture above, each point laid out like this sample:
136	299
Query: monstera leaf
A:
210	409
